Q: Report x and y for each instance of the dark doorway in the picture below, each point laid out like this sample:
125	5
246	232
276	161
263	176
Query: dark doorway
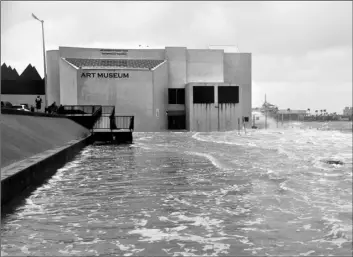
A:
177	122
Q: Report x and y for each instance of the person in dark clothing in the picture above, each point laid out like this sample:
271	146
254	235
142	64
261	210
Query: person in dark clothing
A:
61	109
131	127
38	103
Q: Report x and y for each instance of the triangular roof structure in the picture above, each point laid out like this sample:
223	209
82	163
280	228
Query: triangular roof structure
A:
141	64
16	73
13	74
30	73
7	73
4	72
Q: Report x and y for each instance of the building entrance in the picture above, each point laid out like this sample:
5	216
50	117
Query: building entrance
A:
177	122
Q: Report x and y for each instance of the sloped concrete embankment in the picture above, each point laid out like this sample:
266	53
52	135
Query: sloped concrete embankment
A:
23	136
32	149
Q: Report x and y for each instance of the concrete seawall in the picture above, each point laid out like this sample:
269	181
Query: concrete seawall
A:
24	176
33	148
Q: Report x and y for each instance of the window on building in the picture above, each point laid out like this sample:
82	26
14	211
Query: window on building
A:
203	94
180	96
227	95
176	96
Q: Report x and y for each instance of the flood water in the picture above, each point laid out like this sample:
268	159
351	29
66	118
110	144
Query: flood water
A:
266	192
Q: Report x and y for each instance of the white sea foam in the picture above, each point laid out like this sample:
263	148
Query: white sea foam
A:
129	247
155	235
212	159
257	221
307	253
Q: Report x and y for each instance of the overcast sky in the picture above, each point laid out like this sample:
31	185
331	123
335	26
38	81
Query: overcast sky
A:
301	51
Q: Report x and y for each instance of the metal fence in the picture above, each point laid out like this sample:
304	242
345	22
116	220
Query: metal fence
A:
80	109
115	122
107	119
124	122
107	109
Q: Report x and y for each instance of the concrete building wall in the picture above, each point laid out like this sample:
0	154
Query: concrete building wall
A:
79	52
160	96
68	83
177	62
130	96
53	76
23	99
204	66
237	70
188	107
145	91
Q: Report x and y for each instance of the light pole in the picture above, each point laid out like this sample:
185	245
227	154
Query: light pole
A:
45	64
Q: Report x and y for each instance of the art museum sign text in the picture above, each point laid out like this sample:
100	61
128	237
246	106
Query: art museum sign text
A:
105	75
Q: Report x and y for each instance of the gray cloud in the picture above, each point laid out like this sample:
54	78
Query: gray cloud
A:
294	44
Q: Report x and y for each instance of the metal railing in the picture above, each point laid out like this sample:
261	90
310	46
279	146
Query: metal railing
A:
115	122
105	116
124	122
107	109
80	109
104	122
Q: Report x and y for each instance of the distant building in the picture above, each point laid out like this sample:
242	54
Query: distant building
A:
299	112
170	88
347	111
21	89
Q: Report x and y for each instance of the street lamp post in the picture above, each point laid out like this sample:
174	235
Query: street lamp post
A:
44	59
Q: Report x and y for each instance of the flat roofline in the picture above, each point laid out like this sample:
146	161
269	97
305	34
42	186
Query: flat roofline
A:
111	48
154	49
237	53
212	84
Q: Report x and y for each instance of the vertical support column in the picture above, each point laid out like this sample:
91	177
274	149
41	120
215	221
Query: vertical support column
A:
215	88
215	95
189	107
239	125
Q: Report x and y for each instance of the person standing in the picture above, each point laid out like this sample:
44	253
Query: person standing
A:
38	103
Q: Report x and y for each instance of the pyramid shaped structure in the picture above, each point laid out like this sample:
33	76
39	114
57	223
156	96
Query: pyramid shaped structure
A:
30	73
11	74
5	72
28	83
15	73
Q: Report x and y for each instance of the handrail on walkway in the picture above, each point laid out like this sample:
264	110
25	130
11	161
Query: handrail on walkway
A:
105	116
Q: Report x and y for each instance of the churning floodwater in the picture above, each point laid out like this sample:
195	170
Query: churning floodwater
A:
263	192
